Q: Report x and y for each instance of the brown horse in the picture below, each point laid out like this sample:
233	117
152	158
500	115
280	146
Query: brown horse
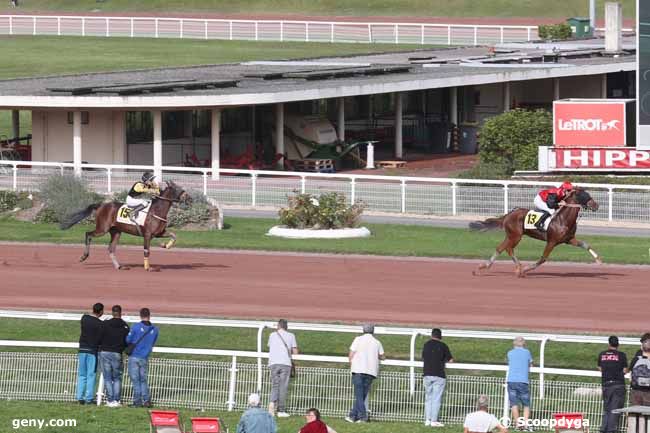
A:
561	230
155	224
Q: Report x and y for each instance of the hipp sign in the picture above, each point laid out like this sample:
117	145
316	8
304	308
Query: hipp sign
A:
601	159
581	123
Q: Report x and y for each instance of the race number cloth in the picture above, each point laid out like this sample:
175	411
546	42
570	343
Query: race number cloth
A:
531	219
124	214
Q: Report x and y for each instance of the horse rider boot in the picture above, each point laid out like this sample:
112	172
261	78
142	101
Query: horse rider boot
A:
540	224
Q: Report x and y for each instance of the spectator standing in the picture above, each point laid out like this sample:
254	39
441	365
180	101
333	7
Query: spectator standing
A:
314	423
282	345
613	366
365	353
255	419
143	337
91	335
519	362
112	345
482	421
435	355
640	369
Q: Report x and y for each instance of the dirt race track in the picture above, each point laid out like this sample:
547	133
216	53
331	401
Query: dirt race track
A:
560	297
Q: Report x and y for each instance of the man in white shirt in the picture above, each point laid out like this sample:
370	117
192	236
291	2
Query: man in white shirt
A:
282	344
481	421
365	353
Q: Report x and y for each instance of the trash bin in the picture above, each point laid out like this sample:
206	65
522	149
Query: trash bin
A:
468	139
580	27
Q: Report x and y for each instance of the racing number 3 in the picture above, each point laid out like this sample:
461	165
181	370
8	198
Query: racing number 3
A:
532	219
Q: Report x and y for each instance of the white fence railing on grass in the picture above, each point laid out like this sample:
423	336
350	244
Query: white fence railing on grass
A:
222	384
265	30
392	194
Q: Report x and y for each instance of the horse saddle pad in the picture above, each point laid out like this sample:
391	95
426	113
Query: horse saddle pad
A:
531	219
124	215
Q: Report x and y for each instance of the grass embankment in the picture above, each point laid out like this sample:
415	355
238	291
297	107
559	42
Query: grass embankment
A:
386	239
421	8
466	350
93	419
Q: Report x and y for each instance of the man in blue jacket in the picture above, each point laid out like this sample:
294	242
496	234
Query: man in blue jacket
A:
143	335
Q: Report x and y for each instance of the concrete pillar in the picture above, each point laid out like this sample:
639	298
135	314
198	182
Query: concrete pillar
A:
506	96
15	123
157	144
592	14
76	142
556	89
341	119
398	125
215	118
603	86
279	132
613	27
453	105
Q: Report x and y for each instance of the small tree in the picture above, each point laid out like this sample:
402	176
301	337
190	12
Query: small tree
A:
510	140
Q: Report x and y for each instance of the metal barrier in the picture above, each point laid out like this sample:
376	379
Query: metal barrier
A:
447	197
223	384
265	30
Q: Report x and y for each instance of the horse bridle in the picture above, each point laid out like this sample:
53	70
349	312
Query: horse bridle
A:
171	200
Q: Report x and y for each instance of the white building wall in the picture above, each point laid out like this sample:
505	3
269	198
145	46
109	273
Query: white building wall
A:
490	101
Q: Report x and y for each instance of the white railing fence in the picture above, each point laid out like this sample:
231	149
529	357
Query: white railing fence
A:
222	384
265	30
447	197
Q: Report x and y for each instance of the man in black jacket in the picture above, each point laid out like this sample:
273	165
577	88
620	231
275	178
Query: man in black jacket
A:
91	334
613	366
110	355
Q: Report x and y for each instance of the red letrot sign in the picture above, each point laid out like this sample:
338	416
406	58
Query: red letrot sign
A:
589	123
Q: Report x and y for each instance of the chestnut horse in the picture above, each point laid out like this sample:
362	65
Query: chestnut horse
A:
155	224
561	230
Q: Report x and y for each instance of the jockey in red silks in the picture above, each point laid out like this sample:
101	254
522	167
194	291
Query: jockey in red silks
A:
550	200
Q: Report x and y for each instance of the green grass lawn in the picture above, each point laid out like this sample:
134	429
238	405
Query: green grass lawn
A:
45	55
93	419
448	8
386	239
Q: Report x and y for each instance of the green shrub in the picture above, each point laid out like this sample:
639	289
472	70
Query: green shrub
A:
486	171
8	200
510	140
65	194
329	211
198	212
46	216
554	31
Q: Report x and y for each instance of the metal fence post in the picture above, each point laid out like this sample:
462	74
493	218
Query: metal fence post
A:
505	402
205	28
353	190
307	31
58	26
34	26
422	34
108	32
448	35
403	182
528	34
396	33
253	189
454	187
505	198
100	389
83	26
231	387
501	28
414	335
11	25
109	182
475	36
370	33
260	331
303	181
256	31
132	25
541	366
15	181
332	32
281	31
230	30
156	25
610	211
181	29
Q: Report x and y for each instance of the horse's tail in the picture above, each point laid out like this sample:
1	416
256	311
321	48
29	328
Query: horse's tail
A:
488	224
78	216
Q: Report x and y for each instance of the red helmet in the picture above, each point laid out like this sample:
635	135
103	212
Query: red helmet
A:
567	186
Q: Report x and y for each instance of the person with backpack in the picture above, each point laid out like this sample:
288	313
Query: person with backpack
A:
640	369
613	366
282	345
141	340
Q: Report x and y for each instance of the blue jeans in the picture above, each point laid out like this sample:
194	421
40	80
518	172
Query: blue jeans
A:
86	376
519	394
138	375
111	363
434	386
361	383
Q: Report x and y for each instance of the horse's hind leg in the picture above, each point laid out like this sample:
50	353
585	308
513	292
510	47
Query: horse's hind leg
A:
545	254
582	244
89	235
511	253
171	242
487	265
112	246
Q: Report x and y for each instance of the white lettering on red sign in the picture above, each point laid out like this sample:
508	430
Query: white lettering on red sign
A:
602	158
588	125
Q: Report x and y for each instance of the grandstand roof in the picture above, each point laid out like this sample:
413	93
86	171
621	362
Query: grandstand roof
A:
285	81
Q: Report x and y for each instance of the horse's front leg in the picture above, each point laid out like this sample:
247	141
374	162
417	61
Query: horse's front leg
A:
545	254
112	246
582	244
171	242
147	245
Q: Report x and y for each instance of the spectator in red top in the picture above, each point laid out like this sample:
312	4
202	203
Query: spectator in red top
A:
314	424
550	200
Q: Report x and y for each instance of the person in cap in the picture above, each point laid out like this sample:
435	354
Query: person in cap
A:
134	199
549	201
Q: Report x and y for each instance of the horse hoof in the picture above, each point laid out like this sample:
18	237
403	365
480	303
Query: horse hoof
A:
163	245
123	268
599	261
153	269
476	273
83	258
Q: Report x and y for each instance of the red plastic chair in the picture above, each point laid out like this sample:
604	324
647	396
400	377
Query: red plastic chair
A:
206	425
165	421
